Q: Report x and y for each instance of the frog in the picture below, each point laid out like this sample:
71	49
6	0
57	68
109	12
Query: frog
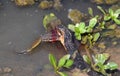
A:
56	31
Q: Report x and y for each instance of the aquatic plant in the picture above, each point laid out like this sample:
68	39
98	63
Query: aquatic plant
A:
100	64
64	62
24	2
47	19
111	15
75	15
81	28
45	4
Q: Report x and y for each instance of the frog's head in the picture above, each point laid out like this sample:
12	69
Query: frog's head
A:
48	19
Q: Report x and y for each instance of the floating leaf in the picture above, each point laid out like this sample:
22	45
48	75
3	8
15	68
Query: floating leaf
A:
68	63
52	60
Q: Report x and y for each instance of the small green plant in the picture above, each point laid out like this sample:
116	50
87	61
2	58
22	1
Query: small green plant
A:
81	28
111	15
90	11
100	64
64	62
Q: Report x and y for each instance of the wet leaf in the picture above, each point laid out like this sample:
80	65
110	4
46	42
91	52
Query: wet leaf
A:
101	9
78	36
68	63
101	58
117	21
63	60
86	59
71	27
92	22
96	36
117	11
62	73
111	66
111	12
90	11
82	27
107	17
52	60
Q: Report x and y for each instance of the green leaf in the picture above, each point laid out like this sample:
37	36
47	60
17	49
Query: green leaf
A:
82	25
63	60
77	30
86	59
115	16
71	27
117	21
117	11
101	58
102	25
78	37
92	23
101	9
69	63
90	11
96	36
107	17
111	66
52	60
111	12
62	73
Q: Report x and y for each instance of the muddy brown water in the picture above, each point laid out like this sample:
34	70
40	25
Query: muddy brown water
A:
20	26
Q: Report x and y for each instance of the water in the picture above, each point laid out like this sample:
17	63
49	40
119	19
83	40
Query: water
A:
20	26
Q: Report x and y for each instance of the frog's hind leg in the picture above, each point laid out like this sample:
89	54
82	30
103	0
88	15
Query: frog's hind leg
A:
49	37
34	45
